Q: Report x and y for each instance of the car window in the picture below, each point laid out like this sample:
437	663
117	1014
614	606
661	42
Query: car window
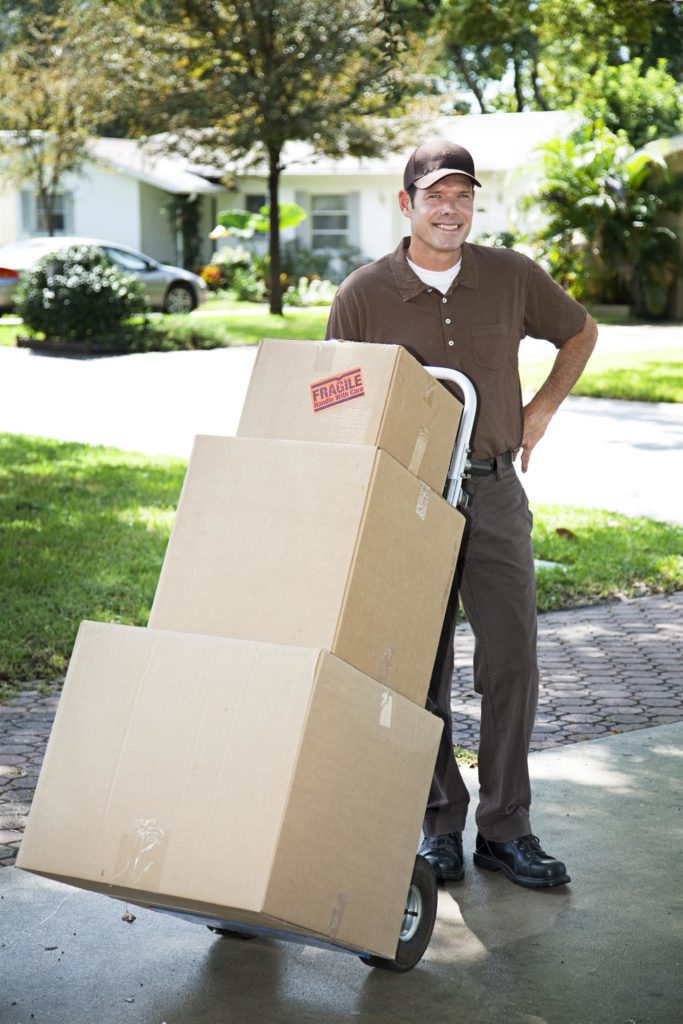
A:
126	260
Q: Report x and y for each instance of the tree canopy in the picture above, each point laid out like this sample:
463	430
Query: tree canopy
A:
542	54
235	82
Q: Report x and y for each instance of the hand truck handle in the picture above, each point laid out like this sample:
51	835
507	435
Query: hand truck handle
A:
461	449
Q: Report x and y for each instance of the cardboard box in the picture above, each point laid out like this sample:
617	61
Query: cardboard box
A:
239	781
349	393
329	546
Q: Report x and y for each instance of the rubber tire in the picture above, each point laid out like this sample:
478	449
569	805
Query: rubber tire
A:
178	289
227	933
410	952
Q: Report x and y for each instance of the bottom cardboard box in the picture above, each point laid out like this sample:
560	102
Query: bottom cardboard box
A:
234	780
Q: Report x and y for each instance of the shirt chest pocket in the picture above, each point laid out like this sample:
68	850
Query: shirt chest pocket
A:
490	345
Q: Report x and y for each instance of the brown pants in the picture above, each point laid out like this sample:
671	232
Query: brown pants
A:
495	583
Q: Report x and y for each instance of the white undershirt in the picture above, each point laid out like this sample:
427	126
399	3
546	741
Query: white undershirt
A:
439	279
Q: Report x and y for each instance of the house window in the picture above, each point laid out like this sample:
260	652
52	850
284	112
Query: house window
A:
254	202
34	221
329	222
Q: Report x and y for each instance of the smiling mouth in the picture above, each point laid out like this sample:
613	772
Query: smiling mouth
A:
448	227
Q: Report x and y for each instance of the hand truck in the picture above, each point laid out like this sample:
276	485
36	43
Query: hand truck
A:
421	900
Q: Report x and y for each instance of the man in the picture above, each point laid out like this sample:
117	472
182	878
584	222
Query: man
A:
466	306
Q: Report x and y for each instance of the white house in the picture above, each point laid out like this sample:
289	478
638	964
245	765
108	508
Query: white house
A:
122	195
124	191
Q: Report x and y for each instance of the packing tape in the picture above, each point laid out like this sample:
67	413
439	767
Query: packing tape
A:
337	914
421	442
430	391
385	665
386	709
324	359
141	856
422	502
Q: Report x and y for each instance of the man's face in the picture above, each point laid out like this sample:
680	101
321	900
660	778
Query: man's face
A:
440	220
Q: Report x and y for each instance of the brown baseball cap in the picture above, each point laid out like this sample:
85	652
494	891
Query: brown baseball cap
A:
437	159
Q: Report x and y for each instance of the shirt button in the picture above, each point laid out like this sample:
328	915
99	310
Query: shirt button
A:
451	343
444	299
447	321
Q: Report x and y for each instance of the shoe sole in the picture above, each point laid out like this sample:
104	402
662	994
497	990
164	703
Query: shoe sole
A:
489	864
445	876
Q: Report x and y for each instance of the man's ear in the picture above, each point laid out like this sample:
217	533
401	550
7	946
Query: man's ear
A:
405	204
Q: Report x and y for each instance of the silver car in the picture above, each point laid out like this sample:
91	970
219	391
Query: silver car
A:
170	289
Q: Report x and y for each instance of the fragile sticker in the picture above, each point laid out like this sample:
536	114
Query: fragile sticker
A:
338	389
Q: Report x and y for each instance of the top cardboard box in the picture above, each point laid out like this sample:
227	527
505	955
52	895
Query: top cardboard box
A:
345	392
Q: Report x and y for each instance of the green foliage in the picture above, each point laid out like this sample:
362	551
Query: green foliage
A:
309	292
602	238
235	269
54	97
245	273
75	294
243	224
540	54
333	264
235	82
645	104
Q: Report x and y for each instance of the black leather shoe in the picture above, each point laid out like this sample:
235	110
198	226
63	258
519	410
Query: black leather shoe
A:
444	853
523	861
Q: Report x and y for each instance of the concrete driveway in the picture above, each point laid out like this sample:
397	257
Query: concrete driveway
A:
604	950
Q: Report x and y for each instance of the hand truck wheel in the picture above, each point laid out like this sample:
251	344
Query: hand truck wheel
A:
418	922
228	933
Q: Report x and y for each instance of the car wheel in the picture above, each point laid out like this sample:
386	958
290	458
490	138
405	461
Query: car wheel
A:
179	299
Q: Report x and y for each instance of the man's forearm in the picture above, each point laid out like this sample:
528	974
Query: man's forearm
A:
567	368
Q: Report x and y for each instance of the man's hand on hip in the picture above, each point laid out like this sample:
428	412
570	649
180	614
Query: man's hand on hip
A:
567	368
537	416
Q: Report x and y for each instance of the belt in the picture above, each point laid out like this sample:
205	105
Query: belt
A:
484	467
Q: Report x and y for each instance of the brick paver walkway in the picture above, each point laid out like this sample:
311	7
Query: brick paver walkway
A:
604	669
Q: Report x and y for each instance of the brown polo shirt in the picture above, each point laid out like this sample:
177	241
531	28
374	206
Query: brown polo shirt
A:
498	297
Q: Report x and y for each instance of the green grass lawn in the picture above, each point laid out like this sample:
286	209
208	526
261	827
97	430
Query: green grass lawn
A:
655	376
8	334
247	327
85	530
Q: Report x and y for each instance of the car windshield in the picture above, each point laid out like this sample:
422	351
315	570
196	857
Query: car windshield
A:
126	260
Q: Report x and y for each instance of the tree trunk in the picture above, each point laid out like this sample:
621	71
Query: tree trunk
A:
468	76
46	207
519	92
273	199
538	95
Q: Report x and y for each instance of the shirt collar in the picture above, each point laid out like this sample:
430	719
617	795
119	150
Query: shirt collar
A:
409	284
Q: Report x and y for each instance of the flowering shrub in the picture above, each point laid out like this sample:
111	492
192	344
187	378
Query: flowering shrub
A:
74	294
309	292
213	277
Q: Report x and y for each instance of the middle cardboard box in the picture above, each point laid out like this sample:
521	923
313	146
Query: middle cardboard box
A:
332	546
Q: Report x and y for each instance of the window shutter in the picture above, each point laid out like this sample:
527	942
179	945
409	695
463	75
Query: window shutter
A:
69	213
303	230
27	212
354	218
